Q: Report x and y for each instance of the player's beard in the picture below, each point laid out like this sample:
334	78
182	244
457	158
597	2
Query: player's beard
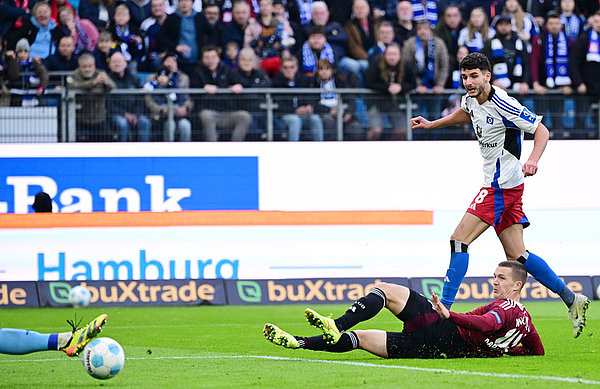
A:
479	91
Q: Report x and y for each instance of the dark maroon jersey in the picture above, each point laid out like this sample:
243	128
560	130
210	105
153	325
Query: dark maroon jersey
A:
499	328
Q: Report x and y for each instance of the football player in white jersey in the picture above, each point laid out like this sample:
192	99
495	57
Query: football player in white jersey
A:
499	121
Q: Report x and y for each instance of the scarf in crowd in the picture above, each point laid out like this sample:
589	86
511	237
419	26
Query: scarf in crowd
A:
83	42
426	63
162	98
476	44
125	36
309	59
572	25
557	70
593	52
328	99
457	79
305	8
30	82
425	12
500	67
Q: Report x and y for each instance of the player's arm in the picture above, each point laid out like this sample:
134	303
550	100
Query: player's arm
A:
485	323
540	140
457	117
531	345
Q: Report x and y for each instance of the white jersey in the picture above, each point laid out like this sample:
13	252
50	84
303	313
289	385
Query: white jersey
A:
499	124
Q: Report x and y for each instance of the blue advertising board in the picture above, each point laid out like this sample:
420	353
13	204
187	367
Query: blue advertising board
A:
112	184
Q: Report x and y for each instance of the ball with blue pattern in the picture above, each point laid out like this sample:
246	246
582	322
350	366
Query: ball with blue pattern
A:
80	296
103	358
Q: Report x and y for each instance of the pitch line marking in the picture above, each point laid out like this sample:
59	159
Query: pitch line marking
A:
349	363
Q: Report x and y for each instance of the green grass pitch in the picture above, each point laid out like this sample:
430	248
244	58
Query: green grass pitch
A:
223	346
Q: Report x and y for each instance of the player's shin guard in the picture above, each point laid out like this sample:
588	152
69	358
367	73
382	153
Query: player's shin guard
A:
540	270
459	263
348	342
15	341
363	309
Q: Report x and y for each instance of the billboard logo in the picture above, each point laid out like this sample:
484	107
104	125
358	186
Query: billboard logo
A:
428	285
59	291
249	291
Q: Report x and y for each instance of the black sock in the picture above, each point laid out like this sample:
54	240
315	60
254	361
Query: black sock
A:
365	308
348	342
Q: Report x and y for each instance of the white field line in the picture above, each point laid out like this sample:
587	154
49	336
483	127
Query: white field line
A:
348	363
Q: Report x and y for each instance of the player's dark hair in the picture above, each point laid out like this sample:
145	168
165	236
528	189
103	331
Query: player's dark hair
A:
475	61
519	273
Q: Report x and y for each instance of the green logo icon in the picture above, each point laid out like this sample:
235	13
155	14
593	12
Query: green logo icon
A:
249	291
434	285
59	291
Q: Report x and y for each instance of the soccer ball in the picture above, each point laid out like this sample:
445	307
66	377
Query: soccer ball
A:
80	296
103	358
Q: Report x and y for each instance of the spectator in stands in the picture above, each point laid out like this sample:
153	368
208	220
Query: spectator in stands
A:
250	75
187	31
584	68
384	9
99	12
83	32
298	111
491	8
315	49
334	32
126	36
232	52
327	79
427	54
139	10
404	27
12	15
477	32
212	12
37	31
425	10
106	45
197	5
570	17
449	29
56	5
300	11
508	57
385	37
65	58
126	112
392	77
158	105
19	61
148	31
219	113
361	37
91	117
170	61
550	70
236	30
523	23
269	36
455	79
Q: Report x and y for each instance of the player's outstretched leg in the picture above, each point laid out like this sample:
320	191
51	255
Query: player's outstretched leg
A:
577	312
331	333
348	341
459	263
82	336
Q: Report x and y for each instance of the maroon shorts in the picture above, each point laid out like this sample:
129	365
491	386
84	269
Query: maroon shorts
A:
500	207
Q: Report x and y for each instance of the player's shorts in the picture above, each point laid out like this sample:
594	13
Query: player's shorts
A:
425	333
500	207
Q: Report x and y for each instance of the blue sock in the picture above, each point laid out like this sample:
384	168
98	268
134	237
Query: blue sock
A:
540	270
459	262
13	341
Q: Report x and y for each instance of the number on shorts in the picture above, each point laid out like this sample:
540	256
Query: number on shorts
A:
479	199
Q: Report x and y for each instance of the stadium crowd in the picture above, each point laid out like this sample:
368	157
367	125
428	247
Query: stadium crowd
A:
389	46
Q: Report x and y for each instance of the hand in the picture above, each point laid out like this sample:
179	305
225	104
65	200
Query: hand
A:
439	307
180	111
137	39
394	89
210	89
347	117
378	13
301	110
10	54
422	89
529	168
131	118
523	88
237	88
420	122
567	90
333	111
182	49
101	79
438	89
539	89
164	110
582	89
37	59
309	110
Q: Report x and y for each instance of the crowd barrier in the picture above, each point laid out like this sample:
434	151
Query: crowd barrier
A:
75	115
257	292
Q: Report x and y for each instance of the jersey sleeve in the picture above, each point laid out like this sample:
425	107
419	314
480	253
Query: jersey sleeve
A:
463	103
510	109
488	322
